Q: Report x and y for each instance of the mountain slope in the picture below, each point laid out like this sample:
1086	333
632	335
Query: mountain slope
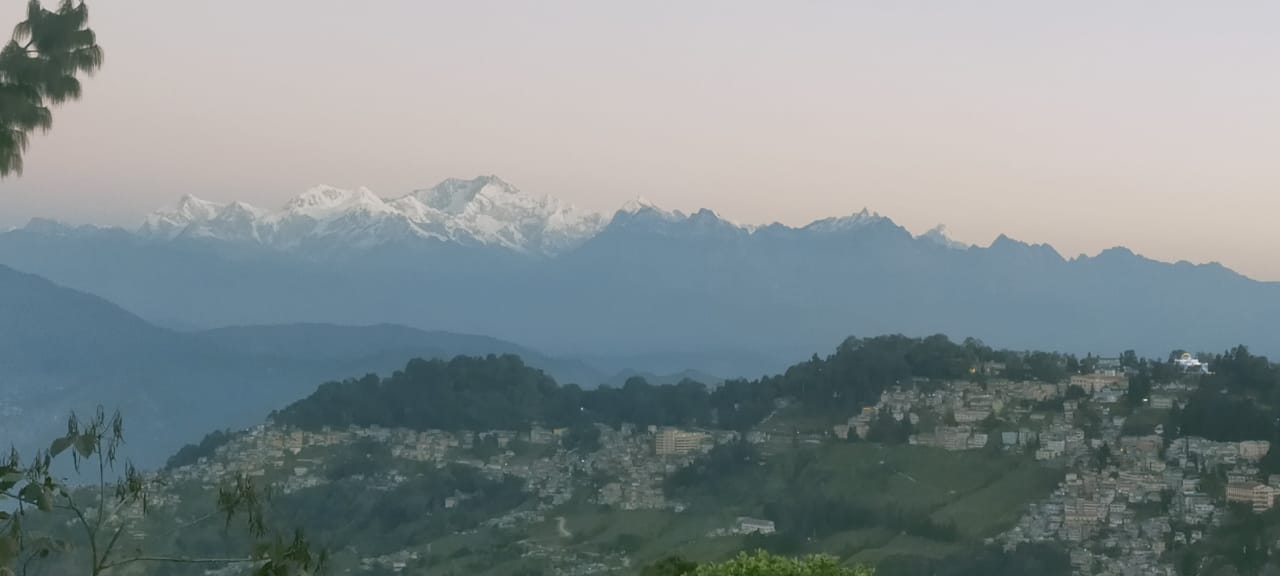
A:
63	350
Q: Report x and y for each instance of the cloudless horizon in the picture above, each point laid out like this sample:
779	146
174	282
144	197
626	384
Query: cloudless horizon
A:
1151	125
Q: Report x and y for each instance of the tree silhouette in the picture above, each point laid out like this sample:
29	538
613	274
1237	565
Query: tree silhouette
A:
38	69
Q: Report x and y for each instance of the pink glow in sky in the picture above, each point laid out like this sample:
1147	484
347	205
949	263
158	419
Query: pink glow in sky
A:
1149	124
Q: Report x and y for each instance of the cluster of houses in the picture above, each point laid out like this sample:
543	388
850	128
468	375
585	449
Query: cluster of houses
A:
1119	515
1123	503
637	461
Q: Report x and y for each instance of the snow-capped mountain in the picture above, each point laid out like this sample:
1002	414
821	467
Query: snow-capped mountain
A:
641	280
938	235
483	211
846	223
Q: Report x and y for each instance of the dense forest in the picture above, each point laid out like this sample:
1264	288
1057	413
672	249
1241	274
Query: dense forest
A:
1245	386
501	392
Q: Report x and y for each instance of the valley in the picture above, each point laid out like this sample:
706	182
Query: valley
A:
958	469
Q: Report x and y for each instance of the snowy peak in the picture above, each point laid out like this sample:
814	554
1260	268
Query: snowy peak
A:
324	202
480	212
641	205
489	211
938	235
454	195
843	224
197	209
484	211
188	212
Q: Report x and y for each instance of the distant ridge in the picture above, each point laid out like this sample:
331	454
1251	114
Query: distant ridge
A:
63	350
481	256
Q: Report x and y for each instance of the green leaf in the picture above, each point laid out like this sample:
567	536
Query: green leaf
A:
59	446
39	495
85	444
10	480
30	492
8	549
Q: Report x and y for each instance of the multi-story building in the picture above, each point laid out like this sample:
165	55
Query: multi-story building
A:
1254	449
673	441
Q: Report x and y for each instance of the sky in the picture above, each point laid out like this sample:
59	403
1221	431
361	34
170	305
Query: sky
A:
1148	124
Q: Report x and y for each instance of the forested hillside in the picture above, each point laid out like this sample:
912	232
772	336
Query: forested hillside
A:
502	392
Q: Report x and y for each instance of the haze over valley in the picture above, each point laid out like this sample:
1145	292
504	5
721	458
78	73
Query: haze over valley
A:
581	288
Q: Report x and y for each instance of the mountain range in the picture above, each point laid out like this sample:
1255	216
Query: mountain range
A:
326	220
64	350
684	291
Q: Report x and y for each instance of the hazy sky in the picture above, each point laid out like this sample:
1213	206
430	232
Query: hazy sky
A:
1154	125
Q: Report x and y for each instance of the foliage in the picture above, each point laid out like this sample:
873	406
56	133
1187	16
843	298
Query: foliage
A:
358	510
1243	541
1240	371
886	430
670	566
814	493
1242	385
1202	416
582	437
638	402
1139	389
1270	464
765	564
38	69
192	453
1043	366
500	392
1038	559
362	457
722	461
98	513
759	563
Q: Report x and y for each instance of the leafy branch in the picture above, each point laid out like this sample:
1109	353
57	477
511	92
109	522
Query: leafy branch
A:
37	493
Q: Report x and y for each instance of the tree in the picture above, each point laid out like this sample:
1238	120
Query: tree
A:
766	564
1102	457
38	69
99	512
584	438
670	566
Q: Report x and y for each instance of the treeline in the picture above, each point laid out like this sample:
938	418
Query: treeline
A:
1223	417
1038	559
1241	372
501	392
992	560
192	453
1235	402
1243	386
